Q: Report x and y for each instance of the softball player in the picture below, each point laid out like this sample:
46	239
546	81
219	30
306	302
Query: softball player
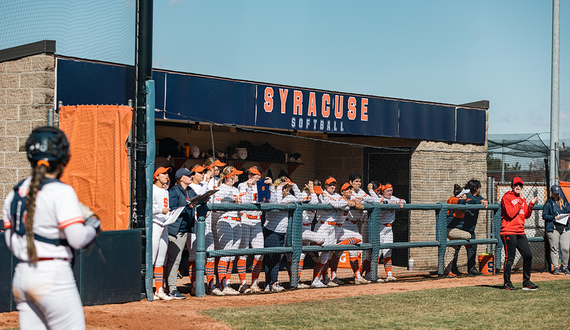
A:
41	229
252	232
276	228
387	217
326	228
160	209
228	228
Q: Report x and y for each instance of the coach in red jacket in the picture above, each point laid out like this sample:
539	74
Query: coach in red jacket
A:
514	211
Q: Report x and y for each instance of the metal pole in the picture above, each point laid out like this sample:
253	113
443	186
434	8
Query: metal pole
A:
491	199
503	163
555	91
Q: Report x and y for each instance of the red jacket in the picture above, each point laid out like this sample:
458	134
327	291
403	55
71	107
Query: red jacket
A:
514	211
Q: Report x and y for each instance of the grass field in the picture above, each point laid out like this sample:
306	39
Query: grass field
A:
477	307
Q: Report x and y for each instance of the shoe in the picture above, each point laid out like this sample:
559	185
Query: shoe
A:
276	287
302	286
390	279
174	294
380	280
267	288
193	291
229	291
332	284
217	292
451	274
474	272
557	271
509	287
255	288
163	296
244	288
337	281
360	280
530	286
317	284
456	272
566	272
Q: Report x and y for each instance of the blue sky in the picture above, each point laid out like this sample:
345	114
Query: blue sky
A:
441	50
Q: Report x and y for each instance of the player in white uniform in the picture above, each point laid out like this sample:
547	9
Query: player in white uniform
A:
326	228
347	234
387	217
41	228
160	209
228	228
252	232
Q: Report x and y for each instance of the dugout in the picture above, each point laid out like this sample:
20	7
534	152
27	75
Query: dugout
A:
422	148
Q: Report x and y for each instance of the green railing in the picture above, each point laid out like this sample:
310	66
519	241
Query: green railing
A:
295	243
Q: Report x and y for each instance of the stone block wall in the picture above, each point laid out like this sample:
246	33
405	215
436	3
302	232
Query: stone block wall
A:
27	87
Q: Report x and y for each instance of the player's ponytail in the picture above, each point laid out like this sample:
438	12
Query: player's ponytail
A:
38	173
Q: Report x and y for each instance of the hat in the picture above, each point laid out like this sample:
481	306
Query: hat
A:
555	189
318	190
232	173
289	181
517	180
253	170
345	187
330	181
198	169
216	163
387	186
161	170
183	171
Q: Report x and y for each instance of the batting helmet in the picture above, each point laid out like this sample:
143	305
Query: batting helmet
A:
48	144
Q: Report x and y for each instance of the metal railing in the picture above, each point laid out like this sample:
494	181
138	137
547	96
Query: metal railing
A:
295	243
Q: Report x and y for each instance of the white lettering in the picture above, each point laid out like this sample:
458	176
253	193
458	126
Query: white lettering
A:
307	123
300	123
315	124
293	122
341	127
322	127
334	126
328	125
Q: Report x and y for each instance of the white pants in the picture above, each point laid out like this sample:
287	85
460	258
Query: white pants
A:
328	232
251	236
310	236
386	236
46	296
159	244
345	233
229	236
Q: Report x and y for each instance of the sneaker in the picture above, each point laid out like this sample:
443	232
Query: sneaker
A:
217	292
302	286
193	292
338	281
317	284
566	272
474	272
451	274
163	296
229	291
276	287
530	286
390	279
267	288
360	280
255	288
331	284
509	287
557	271
174	294
380	280
244	288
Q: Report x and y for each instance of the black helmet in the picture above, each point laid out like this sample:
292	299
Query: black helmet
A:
48	144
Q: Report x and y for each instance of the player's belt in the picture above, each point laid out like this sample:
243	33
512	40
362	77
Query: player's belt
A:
332	223
252	217
354	222
306	224
46	259
386	224
233	218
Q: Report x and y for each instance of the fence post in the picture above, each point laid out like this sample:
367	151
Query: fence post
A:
200	249
374	239
497	234
441	236
296	243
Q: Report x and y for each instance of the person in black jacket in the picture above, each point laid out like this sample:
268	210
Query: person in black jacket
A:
470	221
179	230
557	232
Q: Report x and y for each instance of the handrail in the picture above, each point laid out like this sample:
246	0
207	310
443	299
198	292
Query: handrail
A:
295	244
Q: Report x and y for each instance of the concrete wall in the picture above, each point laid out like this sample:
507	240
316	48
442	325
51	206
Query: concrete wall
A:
26	93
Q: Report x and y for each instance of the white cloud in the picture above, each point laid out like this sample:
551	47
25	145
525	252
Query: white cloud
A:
173	3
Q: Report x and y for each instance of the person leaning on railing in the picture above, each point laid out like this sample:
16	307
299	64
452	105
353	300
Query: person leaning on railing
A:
557	229
455	230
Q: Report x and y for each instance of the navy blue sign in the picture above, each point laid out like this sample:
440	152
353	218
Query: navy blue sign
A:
227	101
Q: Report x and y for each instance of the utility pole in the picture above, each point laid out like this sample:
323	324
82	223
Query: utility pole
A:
555	93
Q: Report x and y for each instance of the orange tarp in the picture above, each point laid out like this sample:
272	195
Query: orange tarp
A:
98	169
565	186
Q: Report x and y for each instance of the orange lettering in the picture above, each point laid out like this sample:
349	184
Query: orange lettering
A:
351	113
312	110
165	202
298	103
364	110
338	107
283	93
268	104
326	109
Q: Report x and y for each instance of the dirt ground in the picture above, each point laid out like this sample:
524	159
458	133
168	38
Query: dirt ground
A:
182	314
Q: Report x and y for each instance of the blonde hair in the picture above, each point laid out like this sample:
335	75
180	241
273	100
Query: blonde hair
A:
38	173
227	170
209	161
